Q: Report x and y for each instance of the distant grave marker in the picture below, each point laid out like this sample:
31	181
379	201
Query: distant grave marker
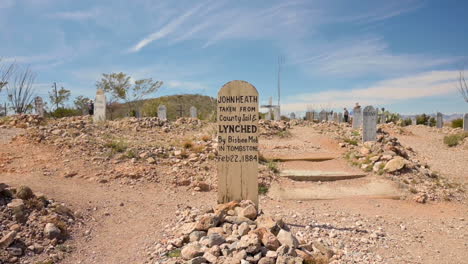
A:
357	117
413	121
340	118
309	116
237	160
39	106
322	116
292	116
369	128
335	117
100	106
162	112
193	112
439	120
276	114
465	122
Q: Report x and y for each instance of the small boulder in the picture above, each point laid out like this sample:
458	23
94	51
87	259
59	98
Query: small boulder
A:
191	250
24	193
395	164
287	238
51	231
250	212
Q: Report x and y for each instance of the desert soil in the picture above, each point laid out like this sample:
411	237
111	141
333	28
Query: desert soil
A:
124	221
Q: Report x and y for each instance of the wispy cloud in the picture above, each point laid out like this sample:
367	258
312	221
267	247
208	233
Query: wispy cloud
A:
166	30
214	21
426	84
357	57
77	15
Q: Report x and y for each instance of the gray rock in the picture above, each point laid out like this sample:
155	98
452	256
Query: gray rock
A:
214	239
196	235
191	250
287	238
51	231
7	240
197	260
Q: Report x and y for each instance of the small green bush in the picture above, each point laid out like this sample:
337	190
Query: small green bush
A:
273	166
457	123
176	253
453	140
117	146
262	190
284	134
407	122
64	112
351	141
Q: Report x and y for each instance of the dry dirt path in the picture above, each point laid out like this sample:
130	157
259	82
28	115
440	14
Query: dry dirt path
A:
429	144
307	141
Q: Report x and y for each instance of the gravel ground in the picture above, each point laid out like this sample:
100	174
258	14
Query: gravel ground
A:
429	144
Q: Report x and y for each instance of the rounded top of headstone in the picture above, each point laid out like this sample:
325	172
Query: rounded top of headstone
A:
369	108
100	91
237	87
161	107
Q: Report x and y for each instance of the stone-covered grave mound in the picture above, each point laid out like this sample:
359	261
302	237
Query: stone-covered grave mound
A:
32	226
21	121
236	233
269	128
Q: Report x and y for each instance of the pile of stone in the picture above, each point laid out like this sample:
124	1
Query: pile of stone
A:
32	225
270	128
236	233
386	156
21	121
192	122
138	124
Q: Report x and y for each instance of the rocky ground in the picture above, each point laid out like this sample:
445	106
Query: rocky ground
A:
33	227
388	157
135	206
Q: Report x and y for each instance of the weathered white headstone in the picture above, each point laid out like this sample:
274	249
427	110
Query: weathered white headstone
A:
292	116
276	113
340	117
357	117
413	121
100	106
465	122
383	118
322	116
237	160
268	115
162	112
335	117
39	105
369	128
193	112
439	120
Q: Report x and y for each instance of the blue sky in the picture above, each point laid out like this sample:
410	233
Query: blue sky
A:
402	55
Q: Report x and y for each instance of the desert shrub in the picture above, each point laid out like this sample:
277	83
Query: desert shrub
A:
64	112
273	166
176	253
406	122
453	140
284	134
117	146
351	141
457	123
187	144
262	189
